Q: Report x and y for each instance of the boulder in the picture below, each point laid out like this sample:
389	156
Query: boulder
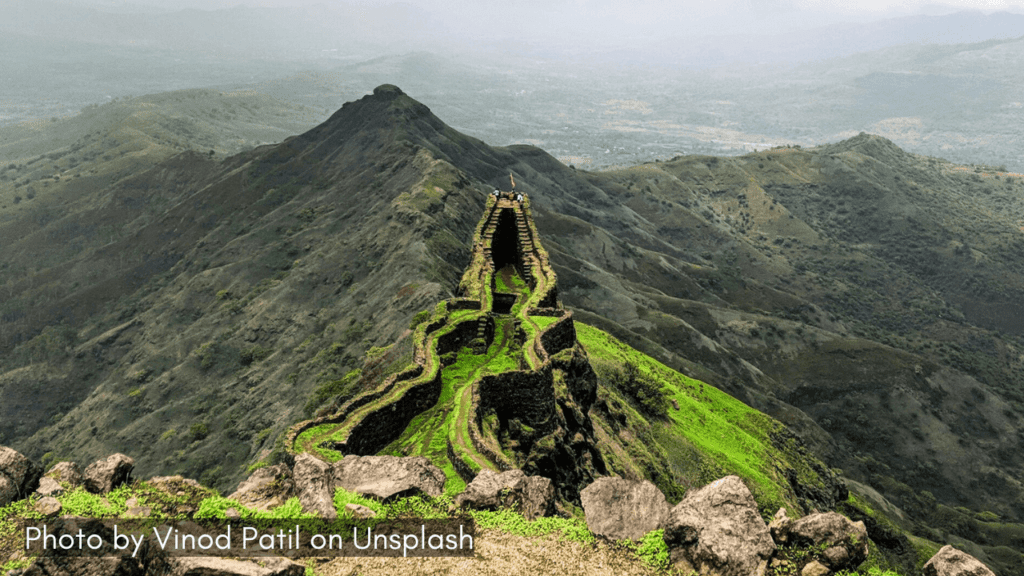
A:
314	481
534	496
268	487
949	561
67	473
814	568
48	506
49	487
618	509
537	498
779	527
8	491
23	473
845	541
102	476
360	512
209	566
717	531
387	477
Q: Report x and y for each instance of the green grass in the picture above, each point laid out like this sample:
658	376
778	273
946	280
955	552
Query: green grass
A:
734	437
543	322
215	507
512	522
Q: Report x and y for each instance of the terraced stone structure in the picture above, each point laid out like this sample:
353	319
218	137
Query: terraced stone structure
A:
498	379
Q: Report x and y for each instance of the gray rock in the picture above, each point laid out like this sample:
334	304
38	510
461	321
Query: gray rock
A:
49	487
67	473
268	487
206	566
48	506
846	541
102	476
949	561
8	491
717	531
314	481
360	512
538	497
387	477
533	496
618	509
173	484
779	527
23	473
814	568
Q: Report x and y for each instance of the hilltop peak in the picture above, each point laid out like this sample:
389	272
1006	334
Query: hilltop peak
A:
872	145
387	92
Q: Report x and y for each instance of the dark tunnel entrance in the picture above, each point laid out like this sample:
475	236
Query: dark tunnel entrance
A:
505	243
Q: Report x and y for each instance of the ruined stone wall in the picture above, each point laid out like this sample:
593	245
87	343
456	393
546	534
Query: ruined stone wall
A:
528	396
348	407
559	336
382	427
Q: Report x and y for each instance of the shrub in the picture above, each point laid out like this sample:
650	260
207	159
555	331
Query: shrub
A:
198	431
647	392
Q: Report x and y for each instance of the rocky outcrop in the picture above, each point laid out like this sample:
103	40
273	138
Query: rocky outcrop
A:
266	488
618	509
845	541
386	477
717	531
533	496
949	561
314	483
21	474
102	476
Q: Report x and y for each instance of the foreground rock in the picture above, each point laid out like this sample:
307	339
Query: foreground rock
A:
779	527
8	491
386	477
266	488
949	561
22	474
67	473
48	506
618	509
533	496
102	476
315	484
717	531
49	487
845	541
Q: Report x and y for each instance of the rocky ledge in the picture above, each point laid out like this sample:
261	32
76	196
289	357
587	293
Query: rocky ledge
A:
715	530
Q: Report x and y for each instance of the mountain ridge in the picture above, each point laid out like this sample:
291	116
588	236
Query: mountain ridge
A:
274	271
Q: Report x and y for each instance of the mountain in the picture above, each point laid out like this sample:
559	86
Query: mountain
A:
865	297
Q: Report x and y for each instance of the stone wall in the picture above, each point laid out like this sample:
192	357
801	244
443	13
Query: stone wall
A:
383	426
559	336
527	396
